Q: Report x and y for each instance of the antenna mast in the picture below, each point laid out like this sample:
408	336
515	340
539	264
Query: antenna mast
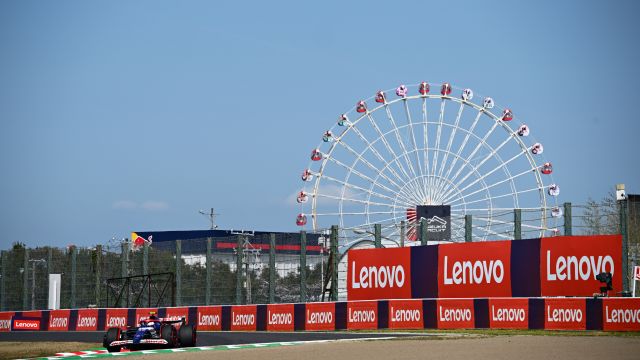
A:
212	218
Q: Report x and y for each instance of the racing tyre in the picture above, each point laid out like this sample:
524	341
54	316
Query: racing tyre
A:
187	335
113	334
168	333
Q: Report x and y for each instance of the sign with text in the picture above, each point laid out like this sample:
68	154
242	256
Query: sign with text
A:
508	313
116	318
5	321
455	314
362	315
621	314
320	316
479	269
406	314
565	314
438	221
87	320
143	314
177	313
280	317
59	320
209	318
243	318
379	274
569	264
20	323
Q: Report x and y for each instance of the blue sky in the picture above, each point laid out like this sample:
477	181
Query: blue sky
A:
132	115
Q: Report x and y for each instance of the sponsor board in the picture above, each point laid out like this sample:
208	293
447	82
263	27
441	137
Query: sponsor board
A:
25	324
470	270
5	321
280	317
455	314
87	320
177	313
406	314
621	314
565	314
59	320
362	315
508	313
116	318
379	274
143	313
243	317
320	316
209	318
569	264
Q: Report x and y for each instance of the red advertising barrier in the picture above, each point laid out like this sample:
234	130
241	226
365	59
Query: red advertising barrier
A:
116	318
209	318
320	316
569	264
379	274
280	317
406	314
59	320
508	313
565	314
243	318
5	321
362	315
177	313
455	314
26	324
470	270
87	320
621	314
143	313
32	313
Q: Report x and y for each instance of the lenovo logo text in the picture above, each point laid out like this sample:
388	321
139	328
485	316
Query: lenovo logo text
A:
574	268
377	277
477	272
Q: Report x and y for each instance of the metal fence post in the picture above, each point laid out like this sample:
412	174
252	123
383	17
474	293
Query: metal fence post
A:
377	235
568	225
335	261
74	276
303	266
25	281
124	271
3	276
272	268
468	228
239	259
98	271
178	272
625	244
402	232
423	231
517	224
145	259
207	294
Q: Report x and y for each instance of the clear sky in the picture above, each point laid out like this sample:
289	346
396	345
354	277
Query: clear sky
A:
132	115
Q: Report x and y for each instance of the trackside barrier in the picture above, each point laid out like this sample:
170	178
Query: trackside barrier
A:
608	314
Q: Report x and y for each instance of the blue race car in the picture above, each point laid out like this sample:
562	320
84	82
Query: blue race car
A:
153	332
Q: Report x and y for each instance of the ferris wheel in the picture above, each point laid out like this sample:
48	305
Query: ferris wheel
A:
413	147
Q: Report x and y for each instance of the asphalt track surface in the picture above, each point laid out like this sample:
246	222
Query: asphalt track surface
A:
204	338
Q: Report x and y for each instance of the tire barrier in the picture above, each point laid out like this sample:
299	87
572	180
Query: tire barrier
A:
571	313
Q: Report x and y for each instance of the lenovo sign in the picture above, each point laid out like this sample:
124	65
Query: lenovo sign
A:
209	318
565	314
455	314
25	324
505	313
59	320
320	316
569	265
116	318
474	269
379	274
621	314
5	321
243	318
362	315
280	317
87	320
406	314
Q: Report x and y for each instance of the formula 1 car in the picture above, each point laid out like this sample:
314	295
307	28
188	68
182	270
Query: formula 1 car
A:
151	333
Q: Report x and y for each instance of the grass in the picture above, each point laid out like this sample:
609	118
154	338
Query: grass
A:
19	349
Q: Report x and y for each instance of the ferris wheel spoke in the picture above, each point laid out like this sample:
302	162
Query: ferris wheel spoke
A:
355	213
500	196
399	138
360	158
464	143
390	149
456	124
352	170
502	165
355	187
432	185
413	135
347	199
